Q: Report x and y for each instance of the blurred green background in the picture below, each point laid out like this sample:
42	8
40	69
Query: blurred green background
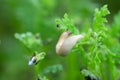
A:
38	16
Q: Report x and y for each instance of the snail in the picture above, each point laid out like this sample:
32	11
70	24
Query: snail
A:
66	43
36	57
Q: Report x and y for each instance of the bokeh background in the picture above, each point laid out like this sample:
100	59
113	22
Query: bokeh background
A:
38	16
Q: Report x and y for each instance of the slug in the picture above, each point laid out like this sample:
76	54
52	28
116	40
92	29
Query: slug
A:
66	43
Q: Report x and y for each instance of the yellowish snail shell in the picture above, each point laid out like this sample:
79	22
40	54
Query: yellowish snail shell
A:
66	43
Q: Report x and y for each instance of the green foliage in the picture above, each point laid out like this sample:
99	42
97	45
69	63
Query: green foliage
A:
53	69
40	56
99	17
94	52
100	57
67	24
32	42
88	73
42	78
96	55
95	48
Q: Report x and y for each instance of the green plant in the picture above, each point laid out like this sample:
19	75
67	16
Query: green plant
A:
94	53
95	48
35	46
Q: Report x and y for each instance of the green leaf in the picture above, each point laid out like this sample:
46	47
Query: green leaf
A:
32	42
99	18
67	24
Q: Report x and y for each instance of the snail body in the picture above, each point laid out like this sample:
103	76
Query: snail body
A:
66	43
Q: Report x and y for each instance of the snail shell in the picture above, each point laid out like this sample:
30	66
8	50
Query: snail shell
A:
66	43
